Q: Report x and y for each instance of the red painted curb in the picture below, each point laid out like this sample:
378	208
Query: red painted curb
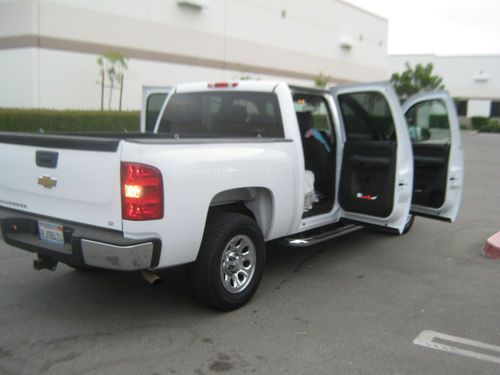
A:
492	247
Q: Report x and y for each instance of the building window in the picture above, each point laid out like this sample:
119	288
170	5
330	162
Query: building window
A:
495	109
461	107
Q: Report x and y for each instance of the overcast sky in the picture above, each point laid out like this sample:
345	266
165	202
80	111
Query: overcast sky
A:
445	27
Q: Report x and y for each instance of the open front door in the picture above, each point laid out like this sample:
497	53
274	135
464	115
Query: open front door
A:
377	166
438	154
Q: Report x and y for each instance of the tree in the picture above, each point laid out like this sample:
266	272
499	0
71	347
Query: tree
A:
113	65
321	80
413	81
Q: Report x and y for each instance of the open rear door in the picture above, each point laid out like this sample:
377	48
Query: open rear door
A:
377	166
438	155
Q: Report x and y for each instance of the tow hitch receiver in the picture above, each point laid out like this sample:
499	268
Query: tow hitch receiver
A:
44	263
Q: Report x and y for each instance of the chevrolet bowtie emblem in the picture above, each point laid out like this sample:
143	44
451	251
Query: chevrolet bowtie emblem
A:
47	182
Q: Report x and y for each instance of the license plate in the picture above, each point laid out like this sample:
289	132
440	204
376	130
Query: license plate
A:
50	232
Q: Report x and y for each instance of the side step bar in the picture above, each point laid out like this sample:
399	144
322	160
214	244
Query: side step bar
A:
311	239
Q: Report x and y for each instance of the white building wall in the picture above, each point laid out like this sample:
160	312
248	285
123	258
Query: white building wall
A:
465	76
53	45
72	79
19	78
472	78
478	107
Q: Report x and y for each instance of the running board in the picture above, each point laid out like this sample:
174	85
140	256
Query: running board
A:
314	239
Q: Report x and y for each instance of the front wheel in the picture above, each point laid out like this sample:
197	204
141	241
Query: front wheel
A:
230	263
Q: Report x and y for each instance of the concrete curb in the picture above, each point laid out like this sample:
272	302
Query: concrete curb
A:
491	248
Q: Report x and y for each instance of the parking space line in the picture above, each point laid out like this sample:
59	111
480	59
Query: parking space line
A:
428	339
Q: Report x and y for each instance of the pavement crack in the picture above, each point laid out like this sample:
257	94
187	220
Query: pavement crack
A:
307	259
299	267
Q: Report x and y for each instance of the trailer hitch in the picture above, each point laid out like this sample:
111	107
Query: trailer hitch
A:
44	263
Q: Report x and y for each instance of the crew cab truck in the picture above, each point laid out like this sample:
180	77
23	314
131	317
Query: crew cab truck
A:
226	168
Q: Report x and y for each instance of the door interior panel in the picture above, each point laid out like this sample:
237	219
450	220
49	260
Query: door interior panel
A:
367	180
430	174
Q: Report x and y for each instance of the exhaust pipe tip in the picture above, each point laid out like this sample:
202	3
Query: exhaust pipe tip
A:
151	277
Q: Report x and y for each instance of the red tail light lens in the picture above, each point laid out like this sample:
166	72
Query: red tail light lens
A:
142	192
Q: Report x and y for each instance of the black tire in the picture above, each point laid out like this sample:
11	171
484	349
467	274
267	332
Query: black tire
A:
206	273
409	224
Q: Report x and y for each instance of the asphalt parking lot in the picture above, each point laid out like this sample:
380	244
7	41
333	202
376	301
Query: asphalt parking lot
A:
352	306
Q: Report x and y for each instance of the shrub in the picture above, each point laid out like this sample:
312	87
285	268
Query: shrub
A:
32	120
491	127
479	121
438	121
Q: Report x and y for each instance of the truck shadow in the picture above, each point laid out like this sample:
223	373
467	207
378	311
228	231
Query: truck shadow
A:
123	295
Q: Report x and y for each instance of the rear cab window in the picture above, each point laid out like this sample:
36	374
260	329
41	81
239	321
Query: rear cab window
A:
222	114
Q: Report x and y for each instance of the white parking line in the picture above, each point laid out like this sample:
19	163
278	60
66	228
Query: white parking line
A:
427	339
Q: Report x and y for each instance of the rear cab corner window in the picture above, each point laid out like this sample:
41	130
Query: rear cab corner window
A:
224	114
153	107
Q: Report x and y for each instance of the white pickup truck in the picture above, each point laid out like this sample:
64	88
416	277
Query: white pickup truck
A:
225	168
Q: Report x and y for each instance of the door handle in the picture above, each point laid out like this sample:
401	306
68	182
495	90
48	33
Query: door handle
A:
47	159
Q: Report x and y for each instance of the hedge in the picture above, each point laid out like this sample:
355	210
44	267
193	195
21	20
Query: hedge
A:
479	121
491	127
438	121
36	120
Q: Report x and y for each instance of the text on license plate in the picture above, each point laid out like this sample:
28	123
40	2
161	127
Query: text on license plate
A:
51	232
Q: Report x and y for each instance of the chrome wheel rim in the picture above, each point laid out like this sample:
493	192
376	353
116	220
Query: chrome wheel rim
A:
238	262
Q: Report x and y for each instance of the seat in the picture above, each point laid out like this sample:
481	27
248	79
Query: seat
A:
316	157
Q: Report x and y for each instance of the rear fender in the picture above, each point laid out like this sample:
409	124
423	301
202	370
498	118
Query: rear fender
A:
257	200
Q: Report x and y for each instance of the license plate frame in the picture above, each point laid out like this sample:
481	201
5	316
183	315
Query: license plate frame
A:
51	233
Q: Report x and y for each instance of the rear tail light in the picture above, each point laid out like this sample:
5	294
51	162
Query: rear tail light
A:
142	192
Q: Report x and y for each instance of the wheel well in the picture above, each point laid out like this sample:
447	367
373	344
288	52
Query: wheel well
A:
255	202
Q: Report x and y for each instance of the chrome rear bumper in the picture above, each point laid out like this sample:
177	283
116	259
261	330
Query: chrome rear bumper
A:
84	245
123	258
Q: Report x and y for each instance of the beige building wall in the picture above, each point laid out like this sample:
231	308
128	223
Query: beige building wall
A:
168	43
475	79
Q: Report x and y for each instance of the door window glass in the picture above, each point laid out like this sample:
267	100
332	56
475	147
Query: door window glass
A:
367	117
428	122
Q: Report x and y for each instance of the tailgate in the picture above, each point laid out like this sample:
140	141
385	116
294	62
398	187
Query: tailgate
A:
62	178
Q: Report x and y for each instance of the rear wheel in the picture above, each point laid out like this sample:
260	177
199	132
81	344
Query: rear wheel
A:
230	263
